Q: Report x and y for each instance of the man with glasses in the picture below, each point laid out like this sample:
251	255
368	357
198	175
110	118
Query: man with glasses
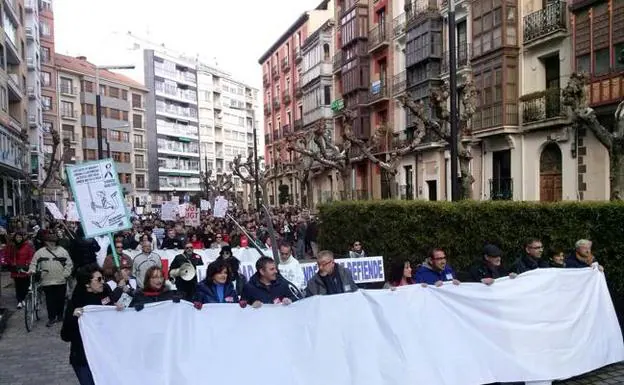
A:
331	277
435	270
531	257
188	256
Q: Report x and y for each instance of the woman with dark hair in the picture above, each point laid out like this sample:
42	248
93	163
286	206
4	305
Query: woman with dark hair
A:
217	286
90	290
400	275
154	290
233	263
19	254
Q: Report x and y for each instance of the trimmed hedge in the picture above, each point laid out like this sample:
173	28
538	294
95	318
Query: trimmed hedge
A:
408	229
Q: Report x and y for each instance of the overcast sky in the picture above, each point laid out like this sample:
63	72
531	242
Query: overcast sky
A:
236	32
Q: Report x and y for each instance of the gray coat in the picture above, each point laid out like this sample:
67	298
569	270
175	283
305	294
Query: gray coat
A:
316	286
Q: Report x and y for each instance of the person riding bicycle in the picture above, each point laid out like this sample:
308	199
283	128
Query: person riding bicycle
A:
56	267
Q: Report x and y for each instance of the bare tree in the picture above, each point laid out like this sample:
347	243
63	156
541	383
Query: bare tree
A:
212	187
575	98
246	171
440	127
51	169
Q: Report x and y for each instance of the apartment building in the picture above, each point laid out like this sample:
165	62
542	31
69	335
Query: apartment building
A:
282	107
123	122
227	121
33	89
13	111
316	89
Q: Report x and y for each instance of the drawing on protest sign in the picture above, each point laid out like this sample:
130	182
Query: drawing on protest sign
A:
220	207
169	211
191	217
204	205
98	197
54	210
71	212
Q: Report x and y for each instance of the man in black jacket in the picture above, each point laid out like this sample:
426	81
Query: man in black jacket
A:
531	258
266	286
331	277
490	267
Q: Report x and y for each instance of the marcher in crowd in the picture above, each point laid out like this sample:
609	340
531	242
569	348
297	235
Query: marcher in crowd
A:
83	251
154	290
435	270
490	267
219	242
266	286
400	275
172	241
122	280
19	254
217	286
557	258
142	262
55	266
331	277
582	256
531	257
108	266
90	290
357	251
233	263
186	288
290	268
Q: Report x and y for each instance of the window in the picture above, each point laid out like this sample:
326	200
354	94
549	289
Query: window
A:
119	136
46	79
114	113
67	109
601	61
45	54
68	132
618	50
137	121
88	109
4	100
124	94
88	132
137	101
139	161
113	92
89	155
46	103
327	95
86	86
47	126
138	141
124	116
583	64
67	86
140	181
44	29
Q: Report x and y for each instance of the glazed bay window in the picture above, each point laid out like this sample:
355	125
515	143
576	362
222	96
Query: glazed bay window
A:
489	19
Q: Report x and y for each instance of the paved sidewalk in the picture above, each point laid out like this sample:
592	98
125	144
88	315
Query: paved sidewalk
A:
42	358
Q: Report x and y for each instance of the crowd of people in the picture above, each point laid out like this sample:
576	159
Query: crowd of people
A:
119	280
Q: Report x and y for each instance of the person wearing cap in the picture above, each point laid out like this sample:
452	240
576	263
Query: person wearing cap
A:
187	288
435	270
236	277
490	267
56	267
108	266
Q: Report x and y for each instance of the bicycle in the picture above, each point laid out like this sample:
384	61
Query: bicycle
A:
33	301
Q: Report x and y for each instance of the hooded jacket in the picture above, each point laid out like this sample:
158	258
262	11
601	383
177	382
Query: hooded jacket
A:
427	274
291	271
254	290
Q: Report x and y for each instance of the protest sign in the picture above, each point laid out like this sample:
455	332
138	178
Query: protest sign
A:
54	210
204	205
98	196
169	211
464	334
191	217
220	207
71	212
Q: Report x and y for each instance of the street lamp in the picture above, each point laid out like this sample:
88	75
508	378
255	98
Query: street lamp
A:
455	193
255	153
98	101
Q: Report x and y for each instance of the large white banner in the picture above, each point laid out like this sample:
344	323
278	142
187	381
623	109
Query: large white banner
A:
98	197
546	324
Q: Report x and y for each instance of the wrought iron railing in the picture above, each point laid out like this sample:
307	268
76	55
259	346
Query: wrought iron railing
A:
463	57
379	35
542	105
550	19
501	189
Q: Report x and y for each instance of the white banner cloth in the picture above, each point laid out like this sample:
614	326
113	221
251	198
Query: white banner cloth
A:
546	324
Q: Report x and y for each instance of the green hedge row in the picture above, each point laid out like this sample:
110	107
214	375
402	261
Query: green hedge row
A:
408	229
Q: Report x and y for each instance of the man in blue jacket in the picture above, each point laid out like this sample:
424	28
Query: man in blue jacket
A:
435	271
266	286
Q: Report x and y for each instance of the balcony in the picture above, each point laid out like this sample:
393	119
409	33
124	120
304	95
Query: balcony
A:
337	61
298	55
298	126
286	130
267	138
378	37
69	114
399	83
398	26
378	92
276	135
31	93
14	87
69	90
30	33
30	5
30	63
139	144
463	55
276	104
546	24
267	109
501	189
218	123
32	120
285	64
275	73
266	80
286	98
542	106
